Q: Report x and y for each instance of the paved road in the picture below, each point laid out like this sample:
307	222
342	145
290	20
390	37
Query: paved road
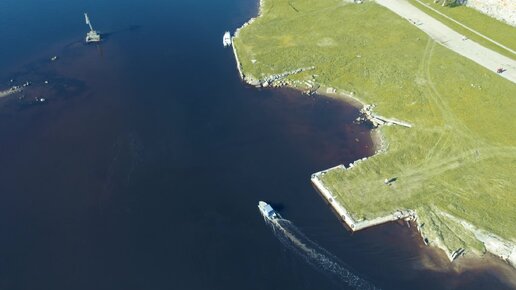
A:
466	27
453	40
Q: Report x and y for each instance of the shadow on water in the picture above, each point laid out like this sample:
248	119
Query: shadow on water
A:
41	84
47	83
278	206
108	35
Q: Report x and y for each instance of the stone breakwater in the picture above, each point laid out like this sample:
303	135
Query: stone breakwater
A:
354	225
497	246
402	214
503	10
239	66
10	91
377	120
235	35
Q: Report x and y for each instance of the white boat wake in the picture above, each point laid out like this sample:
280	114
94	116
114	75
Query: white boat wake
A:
292	238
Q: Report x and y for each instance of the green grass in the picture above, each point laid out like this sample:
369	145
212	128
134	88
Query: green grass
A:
500	32
460	156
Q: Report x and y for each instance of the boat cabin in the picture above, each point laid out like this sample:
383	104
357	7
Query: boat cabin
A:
269	211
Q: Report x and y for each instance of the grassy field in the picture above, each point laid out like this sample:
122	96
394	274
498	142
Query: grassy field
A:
483	24
460	155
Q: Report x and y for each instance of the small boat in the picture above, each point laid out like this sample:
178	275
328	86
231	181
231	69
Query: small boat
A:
267	211
226	40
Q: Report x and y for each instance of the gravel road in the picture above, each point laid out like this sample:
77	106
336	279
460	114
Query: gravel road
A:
451	39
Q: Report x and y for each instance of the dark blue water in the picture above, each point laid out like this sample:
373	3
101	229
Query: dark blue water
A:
144	166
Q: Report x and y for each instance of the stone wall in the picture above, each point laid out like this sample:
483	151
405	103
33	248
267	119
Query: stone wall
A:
504	10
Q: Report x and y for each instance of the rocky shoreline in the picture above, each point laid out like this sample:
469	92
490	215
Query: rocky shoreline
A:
10	91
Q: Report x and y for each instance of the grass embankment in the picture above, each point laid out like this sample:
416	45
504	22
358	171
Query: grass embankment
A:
460	156
498	31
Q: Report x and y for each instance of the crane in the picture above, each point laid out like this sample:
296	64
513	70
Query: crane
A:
92	35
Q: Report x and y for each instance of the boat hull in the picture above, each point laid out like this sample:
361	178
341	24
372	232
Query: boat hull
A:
226	40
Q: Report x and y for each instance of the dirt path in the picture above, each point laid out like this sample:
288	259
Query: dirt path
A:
453	40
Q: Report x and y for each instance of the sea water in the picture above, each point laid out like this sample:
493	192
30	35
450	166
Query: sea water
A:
143	167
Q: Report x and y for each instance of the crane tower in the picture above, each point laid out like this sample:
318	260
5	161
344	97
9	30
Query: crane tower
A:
92	35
